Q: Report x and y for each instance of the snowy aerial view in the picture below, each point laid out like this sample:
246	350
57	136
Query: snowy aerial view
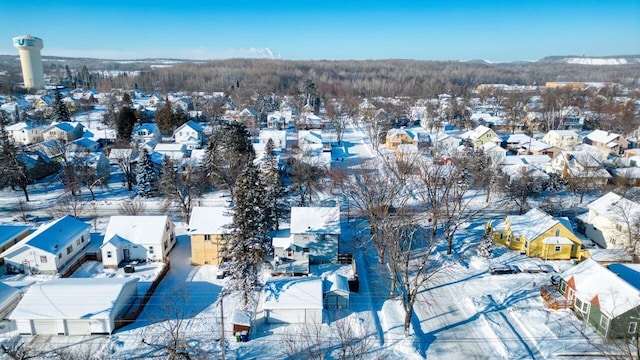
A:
296	180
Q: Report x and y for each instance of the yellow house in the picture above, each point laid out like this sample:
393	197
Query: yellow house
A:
480	136
537	234
397	137
209	229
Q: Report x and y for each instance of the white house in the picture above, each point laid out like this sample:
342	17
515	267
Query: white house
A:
314	234
609	220
171	151
145	132
25	133
131	238
279	138
292	300
189	134
50	248
74	306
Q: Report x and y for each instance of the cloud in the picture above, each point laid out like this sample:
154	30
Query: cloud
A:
187	54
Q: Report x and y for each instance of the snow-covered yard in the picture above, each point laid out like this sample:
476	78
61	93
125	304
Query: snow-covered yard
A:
465	312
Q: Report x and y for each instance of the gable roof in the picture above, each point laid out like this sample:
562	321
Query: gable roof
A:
10	232
400	132
292	293
137	229
53	237
534	223
192	124
71	298
476	133
602	136
336	283
210	220
615	207
591	279
321	220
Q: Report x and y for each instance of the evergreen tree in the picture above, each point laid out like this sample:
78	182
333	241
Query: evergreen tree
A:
250	241
228	154
60	111
485	249
146	176
13	171
124	123
164	118
274	190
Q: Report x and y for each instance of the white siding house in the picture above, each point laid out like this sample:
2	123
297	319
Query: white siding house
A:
189	134
609	219
49	249
130	238
75	306
25	133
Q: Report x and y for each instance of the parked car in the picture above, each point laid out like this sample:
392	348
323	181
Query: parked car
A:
25	218
535	268
501	269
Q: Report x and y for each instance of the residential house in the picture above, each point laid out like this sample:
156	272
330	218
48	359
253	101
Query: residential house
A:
563	139
209	230
83	144
146	132
480	136
76	306
171	151
538	234
97	162
25	133
190	134
38	164
11	234
626	176
314	234
279	138
579	165
248	117
64	131
130	238
50	249
291	300
443	143
609	221
396	137
608	299
607	142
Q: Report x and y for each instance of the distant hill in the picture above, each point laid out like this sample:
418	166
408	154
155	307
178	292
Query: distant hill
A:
592	60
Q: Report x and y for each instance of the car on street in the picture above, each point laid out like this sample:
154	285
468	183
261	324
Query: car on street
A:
501	269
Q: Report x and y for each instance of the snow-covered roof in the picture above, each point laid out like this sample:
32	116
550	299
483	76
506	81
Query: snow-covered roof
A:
614	295
192	124
601	136
532	224
137	229
321	220
336	283
564	132
23	125
71	298
54	237
170	147
396	132
615	207
627	272
241	317
210	220
292	293
475	133
609	255
281	239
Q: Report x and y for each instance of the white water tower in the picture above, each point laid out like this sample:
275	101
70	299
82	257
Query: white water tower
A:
31	61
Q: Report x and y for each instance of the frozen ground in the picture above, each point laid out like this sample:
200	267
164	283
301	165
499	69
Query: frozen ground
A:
465	313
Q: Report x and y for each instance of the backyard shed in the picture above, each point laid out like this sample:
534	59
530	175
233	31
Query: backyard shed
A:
336	292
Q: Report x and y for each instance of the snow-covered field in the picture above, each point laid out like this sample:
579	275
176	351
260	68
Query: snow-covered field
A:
465	313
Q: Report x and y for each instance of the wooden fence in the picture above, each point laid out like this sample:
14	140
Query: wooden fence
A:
553	303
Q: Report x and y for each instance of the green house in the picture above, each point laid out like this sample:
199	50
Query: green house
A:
607	300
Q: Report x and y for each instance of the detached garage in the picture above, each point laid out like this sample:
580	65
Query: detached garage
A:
292	300
74	306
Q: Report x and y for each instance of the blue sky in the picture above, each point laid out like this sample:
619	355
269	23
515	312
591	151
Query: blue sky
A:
492	30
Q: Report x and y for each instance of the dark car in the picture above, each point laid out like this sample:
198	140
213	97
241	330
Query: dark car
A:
502	269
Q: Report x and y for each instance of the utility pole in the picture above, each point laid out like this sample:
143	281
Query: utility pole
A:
222	338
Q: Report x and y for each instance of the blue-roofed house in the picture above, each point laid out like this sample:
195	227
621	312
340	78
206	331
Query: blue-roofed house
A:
64	131
145	132
189	134
10	234
49	249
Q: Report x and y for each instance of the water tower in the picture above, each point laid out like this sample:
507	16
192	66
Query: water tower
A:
31	61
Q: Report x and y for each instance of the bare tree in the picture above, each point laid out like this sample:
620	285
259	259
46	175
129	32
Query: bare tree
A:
304	342
354	342
67	204
181	185
133	207
16	349
307	177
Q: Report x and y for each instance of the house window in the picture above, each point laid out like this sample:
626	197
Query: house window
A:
150	249
516	239
558	248
60	256
82	238
604	322
633	327
207	237
563	287
618	227
43	259
501	235
78	242
557	232
165	244
573	248
109	254
69	249
582	307
305	249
